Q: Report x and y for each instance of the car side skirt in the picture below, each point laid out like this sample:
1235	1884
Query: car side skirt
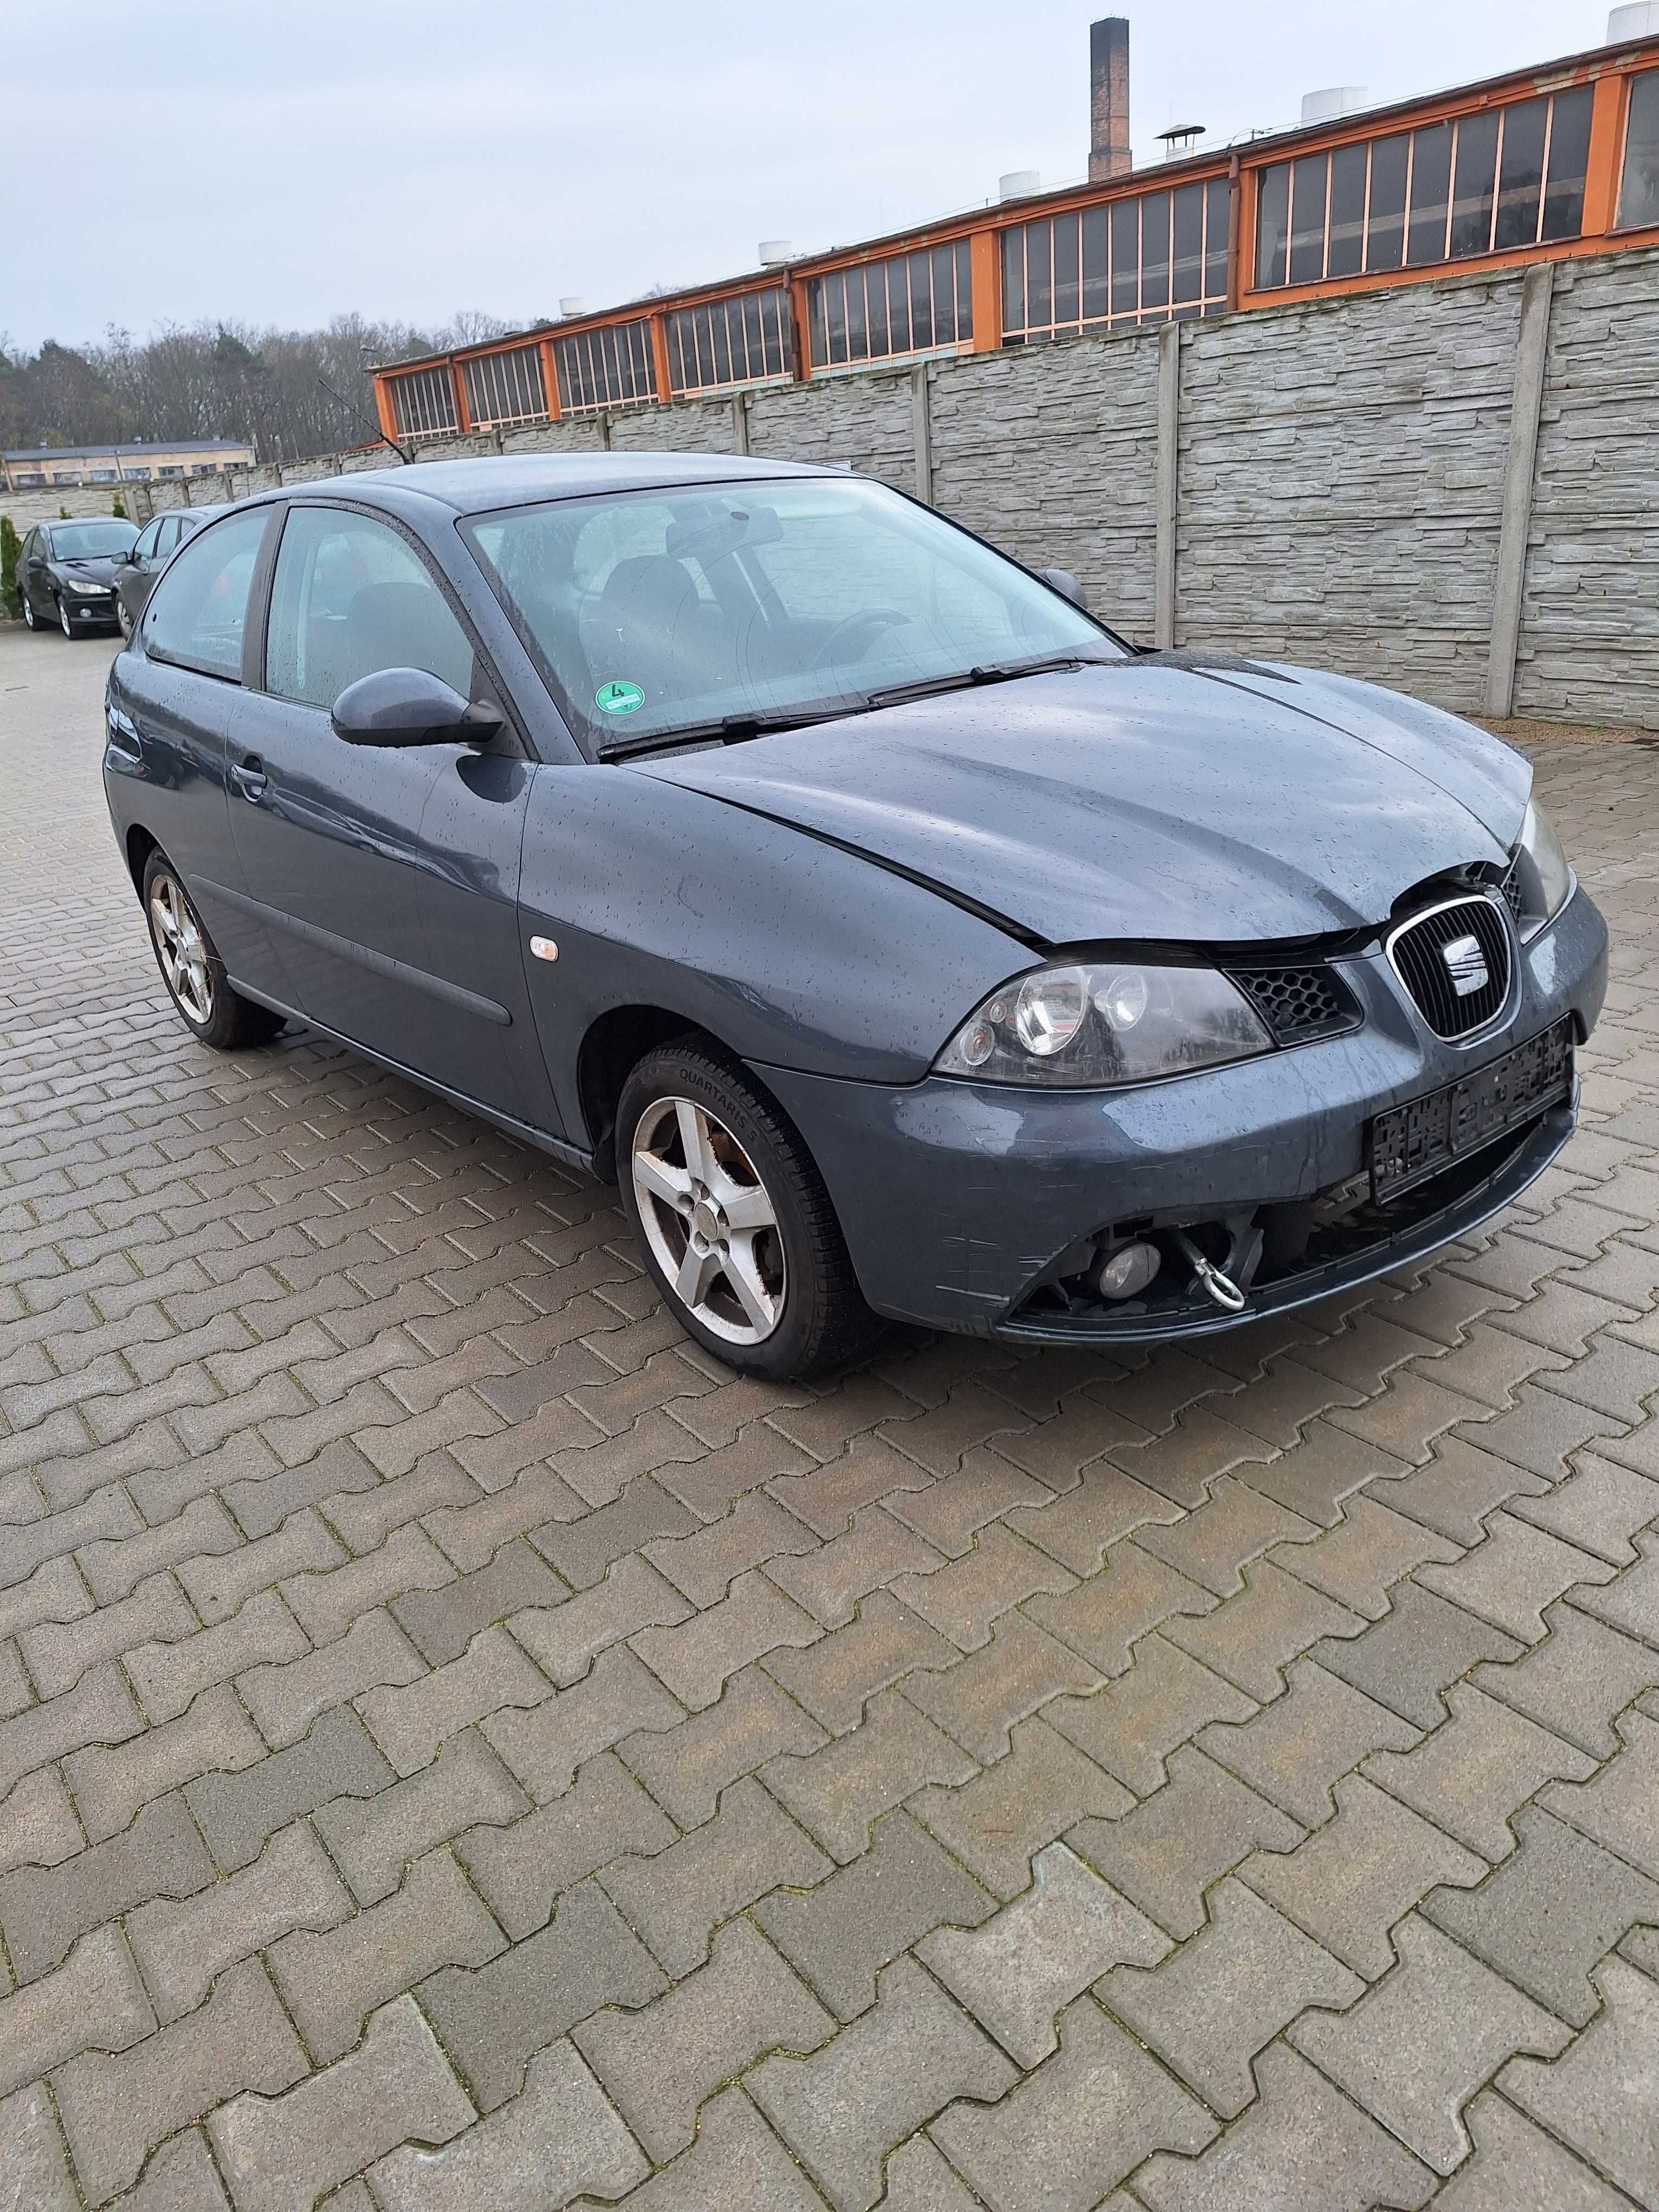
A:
559	1148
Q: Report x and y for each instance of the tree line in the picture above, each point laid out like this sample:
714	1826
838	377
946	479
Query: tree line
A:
288	393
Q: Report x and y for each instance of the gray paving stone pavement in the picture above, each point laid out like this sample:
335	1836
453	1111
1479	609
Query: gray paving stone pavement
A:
458	1748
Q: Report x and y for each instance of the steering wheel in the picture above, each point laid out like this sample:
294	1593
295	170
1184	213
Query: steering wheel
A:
850	626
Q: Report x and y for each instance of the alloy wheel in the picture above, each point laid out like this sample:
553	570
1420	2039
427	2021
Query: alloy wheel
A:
65	622
711	1225
28	611
180	949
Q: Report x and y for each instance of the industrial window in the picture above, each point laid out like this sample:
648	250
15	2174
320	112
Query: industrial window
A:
506	388
1638	192
423	403
1158	258
881	310
1505	177
739	341
608	367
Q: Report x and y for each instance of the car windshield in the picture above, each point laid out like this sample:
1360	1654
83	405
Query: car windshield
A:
91	541
750	602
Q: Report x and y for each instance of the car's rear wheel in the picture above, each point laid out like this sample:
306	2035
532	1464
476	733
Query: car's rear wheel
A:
192	971
64	623
733	1219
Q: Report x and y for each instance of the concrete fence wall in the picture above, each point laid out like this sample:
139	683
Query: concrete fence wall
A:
1452	487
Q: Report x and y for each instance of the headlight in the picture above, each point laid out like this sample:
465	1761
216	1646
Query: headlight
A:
1545	878
89	591
1115	1021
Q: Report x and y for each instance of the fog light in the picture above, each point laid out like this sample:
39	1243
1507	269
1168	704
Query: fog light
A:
1128	1271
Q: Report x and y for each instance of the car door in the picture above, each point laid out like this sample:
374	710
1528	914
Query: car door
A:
37	575
168	707
387	877
133	577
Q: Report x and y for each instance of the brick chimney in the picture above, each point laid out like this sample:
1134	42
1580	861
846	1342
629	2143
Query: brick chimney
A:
1108	98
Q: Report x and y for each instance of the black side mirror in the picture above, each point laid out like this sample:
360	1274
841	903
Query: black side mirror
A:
408	707
1062	580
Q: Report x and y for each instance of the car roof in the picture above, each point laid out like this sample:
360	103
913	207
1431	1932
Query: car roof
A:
476	487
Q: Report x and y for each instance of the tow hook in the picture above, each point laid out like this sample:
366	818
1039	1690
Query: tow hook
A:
1220	1287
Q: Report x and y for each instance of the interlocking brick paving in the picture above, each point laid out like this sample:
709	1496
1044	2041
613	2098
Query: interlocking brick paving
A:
458	1747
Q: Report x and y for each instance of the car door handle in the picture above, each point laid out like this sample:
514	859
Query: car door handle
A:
250	778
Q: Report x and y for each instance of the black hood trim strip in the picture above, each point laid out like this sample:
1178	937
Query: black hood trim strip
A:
1019	931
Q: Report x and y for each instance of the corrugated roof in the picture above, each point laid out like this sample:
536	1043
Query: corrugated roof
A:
124	452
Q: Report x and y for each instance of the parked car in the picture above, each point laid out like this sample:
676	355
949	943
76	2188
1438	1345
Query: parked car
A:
66	573
147	556
901	940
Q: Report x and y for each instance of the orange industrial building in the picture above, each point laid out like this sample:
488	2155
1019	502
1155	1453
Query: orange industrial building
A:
1543	164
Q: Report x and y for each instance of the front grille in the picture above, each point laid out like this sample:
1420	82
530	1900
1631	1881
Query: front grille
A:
1298	1004
1419	951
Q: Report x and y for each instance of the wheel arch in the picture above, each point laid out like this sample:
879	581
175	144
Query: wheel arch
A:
138	845
615	1043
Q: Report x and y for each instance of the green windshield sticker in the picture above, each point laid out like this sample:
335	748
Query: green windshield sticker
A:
619	698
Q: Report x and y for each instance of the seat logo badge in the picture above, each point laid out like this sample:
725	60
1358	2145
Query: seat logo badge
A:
544	948
1465	963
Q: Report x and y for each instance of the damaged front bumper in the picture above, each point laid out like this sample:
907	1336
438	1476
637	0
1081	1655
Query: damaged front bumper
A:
985	1208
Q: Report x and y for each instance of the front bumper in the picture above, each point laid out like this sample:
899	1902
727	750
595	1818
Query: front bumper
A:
956	1199
83	613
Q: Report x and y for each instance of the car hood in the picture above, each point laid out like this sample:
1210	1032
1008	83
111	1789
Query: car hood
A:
99	570
1222	804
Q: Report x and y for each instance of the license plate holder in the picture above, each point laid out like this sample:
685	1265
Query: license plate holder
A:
1410	1143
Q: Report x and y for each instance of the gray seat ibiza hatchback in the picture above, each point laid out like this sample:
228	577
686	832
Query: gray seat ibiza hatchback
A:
898	939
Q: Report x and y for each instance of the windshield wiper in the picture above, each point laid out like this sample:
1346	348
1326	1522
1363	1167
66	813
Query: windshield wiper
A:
733	729
727	730
967	679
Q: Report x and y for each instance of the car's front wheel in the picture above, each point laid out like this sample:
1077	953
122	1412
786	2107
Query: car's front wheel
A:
64	623
192	971
732	1218
124	620
28	612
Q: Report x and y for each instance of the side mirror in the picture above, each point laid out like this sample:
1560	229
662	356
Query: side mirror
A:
408	707
1062	580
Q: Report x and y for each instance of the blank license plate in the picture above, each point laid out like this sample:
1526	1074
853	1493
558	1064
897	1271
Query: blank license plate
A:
1416	1140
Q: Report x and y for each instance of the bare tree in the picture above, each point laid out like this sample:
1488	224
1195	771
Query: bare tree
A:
288	393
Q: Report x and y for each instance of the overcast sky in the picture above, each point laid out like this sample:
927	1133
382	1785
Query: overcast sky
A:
282	160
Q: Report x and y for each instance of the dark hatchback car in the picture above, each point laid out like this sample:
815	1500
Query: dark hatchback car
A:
895	936
145	560
66	573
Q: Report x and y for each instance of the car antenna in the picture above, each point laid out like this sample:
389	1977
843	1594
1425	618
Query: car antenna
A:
382	436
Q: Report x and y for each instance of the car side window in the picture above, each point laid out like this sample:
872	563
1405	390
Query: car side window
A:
167	535
349	598
198	612
147	543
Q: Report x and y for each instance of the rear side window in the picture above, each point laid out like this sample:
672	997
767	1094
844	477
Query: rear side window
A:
198	612
348	599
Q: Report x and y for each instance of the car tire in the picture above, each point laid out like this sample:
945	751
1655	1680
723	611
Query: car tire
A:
123	619
64	621
732	1218
29	620
192	969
